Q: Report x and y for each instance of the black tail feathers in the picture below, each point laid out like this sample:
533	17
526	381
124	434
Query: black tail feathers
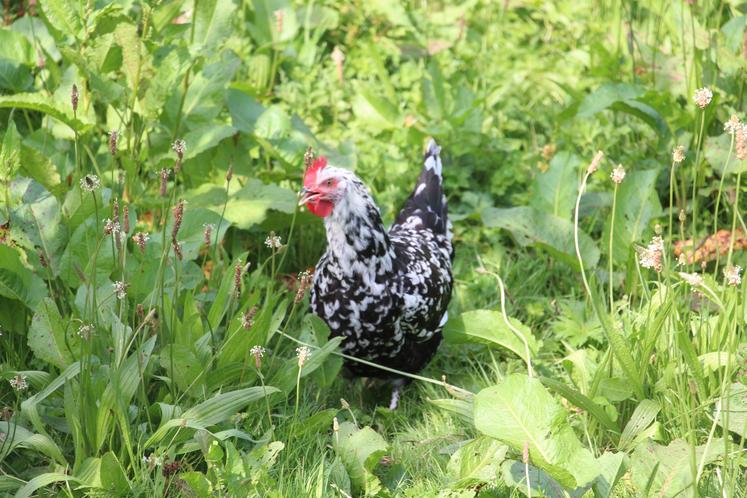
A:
426	206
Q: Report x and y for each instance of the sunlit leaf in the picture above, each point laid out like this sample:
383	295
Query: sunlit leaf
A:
489	327
50	335
637	205
360	451
520	412
669	468
532	227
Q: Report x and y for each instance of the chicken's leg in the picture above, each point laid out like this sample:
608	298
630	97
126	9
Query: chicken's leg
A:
397	386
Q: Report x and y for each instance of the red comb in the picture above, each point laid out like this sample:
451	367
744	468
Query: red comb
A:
311	172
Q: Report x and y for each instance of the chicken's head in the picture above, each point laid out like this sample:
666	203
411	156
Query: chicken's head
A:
320	188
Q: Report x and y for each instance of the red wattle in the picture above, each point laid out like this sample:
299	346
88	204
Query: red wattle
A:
320	208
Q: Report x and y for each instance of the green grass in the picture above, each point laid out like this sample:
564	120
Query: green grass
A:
637	378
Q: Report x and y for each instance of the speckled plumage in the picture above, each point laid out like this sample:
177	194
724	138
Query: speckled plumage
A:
386	292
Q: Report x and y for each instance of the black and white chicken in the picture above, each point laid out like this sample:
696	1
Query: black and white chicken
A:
385	292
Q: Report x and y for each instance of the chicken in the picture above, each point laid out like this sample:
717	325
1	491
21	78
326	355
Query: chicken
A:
385	293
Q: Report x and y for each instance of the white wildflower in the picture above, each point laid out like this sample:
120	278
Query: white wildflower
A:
120	289
702	97
303	354
141	238
693	279
651	255
89	183
273	241
733	276
258	352
85	331
678	154
111	227
618	174
733	125
19	382
179	146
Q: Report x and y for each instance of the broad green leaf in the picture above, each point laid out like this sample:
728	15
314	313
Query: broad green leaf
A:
16	60
245	110
238	342
166	81
555	190
64	17
669	468
183	367
40	103
714	360
320	422
212	24
285	377
249	205
580	400
360	450
607	95
626	98
10	152
643	416
205	138
376	111
519	411
476	463
317	334
716	151
23	438
221	302
258	463
41	481
461	408
10	483
273	124
40	168
733	407
197	483
102	87
529	226
89	252
611	466
647	114
489	327
119	394
392	10
615	389
637	204
35	29
113	478
192	232
215	410
18	282
542	483
89	473
37	216
434	93
15	77
164	13
29	407
50	335
128	40
79	206
204	99
14	46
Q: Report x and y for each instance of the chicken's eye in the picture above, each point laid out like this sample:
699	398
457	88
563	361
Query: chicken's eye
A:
329	183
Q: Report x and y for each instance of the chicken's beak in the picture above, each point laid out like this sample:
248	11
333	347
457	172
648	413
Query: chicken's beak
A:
305	195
